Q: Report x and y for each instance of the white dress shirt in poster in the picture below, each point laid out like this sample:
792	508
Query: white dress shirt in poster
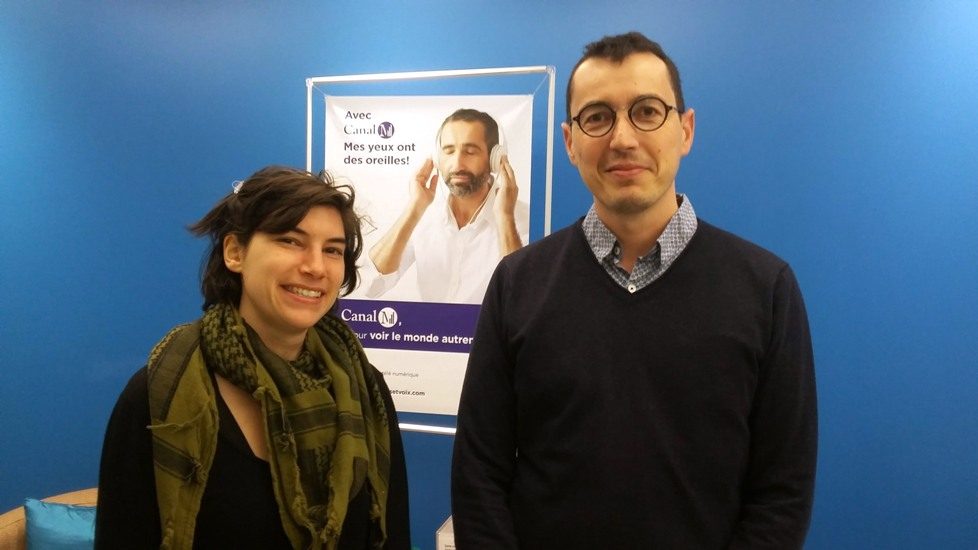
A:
451	264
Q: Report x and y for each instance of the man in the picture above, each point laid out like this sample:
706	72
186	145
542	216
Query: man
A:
640	379
456	245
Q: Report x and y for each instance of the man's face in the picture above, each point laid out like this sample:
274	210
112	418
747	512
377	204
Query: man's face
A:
627	170
463	159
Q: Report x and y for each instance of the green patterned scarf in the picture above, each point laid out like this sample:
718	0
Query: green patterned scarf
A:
326	425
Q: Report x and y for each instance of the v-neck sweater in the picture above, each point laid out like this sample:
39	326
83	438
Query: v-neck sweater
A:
682	415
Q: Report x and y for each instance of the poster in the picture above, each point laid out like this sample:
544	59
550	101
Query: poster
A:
429	174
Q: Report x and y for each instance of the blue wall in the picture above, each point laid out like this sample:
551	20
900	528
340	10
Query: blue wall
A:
840	136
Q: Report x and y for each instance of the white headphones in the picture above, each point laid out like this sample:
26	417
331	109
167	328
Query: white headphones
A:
496	155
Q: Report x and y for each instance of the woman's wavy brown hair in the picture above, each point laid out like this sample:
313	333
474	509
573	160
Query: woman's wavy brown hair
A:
274	199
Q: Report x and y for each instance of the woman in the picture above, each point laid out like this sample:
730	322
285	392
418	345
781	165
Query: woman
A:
267	427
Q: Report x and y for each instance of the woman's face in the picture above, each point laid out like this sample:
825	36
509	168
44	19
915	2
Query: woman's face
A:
289	280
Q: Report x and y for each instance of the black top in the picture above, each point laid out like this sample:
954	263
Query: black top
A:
680	416
238	508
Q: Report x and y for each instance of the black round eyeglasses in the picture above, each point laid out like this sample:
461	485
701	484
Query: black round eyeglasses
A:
647	113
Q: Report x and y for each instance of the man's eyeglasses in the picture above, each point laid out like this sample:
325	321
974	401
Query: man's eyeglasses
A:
647	113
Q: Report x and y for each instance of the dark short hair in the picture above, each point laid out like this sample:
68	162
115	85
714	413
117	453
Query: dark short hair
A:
472	115
617	48
274	199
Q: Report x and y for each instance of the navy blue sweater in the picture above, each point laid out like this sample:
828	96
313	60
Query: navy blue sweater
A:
680	416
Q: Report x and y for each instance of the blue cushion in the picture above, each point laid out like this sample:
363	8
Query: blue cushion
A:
52	526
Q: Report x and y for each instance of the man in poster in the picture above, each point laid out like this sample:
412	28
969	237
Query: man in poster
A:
456	245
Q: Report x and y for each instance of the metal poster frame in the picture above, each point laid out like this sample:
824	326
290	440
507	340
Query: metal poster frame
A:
547	70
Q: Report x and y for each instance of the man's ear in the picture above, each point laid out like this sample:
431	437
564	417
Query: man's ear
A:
568	142
688	120
233	253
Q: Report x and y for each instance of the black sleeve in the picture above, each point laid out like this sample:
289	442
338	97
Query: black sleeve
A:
484	455
128	515
398	517
780	483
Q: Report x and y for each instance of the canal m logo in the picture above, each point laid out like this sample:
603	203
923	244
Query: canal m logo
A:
387	317
385	130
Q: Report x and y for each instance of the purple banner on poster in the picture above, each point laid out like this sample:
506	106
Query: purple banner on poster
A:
418	326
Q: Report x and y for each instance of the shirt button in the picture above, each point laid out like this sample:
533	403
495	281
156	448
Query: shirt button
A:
632	288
